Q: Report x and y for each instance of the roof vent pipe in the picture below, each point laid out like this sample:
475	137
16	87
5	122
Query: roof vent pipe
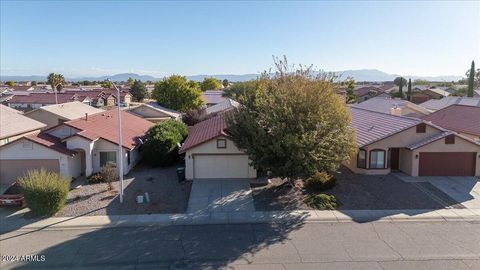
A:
86	116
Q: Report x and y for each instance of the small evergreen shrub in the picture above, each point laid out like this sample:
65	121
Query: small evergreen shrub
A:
107	174
45	192
321	201
320	181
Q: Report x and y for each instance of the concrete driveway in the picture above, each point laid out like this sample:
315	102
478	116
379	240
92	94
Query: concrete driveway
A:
463	189
220	195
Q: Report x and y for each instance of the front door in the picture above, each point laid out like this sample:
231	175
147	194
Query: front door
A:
394	158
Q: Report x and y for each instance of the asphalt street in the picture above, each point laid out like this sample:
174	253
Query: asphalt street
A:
297	245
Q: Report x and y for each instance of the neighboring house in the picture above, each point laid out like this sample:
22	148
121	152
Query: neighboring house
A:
209	153
394	143
53	115
212	97
423	93
222	107
104	97
37	100
77	147
437	104
14	125
459	118
393	106
367	92
153	112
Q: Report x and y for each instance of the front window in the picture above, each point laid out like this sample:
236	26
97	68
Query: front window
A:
362	159
108	158
377	159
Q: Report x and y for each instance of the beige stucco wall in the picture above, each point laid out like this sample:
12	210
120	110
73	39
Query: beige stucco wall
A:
17	150
48	118
106	146
460	145
399	140
210	147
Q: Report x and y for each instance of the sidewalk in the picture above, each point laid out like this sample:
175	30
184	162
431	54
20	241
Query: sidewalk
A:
285	217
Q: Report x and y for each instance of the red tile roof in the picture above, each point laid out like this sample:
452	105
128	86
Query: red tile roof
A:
203	132
372	126
459	118
51	142
105	125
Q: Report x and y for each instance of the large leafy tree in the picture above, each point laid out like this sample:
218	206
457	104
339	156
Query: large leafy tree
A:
106	84
294	124
400	82
57	81
138	90
161	145
225	83
176	92
210	84
241	90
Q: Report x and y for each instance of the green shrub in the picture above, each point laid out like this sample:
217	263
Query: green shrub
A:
45	192
320	181
160	148
321	201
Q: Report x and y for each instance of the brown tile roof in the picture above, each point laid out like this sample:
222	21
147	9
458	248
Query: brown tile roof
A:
203	132
373	126
105	125
51	142
41	98
459	118
366	89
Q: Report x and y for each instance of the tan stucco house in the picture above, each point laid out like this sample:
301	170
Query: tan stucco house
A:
209	153
53	115
394	143
77	147
14	125
153	112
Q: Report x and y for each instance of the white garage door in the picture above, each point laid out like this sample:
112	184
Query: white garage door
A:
220	166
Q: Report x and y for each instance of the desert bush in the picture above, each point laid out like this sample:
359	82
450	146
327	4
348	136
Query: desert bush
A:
320	181
107	174
45	192
321	201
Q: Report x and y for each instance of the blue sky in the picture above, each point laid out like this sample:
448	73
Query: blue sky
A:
87	38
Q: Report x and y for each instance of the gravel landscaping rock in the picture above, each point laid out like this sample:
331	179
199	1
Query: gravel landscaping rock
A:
166	194
354	192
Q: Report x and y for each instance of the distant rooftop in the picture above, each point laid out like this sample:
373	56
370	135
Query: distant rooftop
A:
437	104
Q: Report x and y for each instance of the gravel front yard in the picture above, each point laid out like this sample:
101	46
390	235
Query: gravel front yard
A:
166	194
354	192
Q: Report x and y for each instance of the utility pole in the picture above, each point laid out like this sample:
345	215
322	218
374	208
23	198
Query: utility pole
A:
120	148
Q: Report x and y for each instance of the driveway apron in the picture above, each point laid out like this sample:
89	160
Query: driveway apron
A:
220	195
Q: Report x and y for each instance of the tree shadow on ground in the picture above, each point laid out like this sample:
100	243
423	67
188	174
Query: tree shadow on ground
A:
168	247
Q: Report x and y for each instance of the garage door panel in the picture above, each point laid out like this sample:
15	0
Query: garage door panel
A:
447	164
221	166
11	169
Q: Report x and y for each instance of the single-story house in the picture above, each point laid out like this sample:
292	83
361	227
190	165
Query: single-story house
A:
395	143
212	97
153	112
419	96
77	147
367	92
438	104
393	106
225	106
210	153
459	118
36	100
53	115
14	125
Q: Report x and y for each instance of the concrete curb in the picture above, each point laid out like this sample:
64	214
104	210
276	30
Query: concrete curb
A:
283	217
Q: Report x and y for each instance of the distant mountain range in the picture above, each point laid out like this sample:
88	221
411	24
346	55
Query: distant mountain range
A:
370	75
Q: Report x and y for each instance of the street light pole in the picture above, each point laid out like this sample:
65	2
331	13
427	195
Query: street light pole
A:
120	162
